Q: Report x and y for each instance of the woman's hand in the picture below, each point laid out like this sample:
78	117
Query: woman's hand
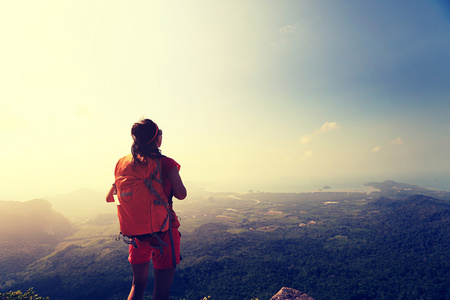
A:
111	193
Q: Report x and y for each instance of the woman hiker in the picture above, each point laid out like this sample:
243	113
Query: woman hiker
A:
141	216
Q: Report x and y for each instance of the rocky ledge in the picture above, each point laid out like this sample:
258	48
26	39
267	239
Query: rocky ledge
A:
290	294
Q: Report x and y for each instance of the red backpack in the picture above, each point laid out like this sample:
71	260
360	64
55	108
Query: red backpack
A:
144	208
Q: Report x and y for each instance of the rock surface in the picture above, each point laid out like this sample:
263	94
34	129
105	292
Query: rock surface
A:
290	294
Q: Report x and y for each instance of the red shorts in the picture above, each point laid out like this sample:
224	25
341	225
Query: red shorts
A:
147	249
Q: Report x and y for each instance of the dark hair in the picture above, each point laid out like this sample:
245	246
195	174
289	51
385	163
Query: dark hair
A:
144	146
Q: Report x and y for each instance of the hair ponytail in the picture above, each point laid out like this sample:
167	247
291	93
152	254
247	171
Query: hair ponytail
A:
144	145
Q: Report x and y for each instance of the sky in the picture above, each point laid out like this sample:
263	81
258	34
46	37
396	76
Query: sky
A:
276	96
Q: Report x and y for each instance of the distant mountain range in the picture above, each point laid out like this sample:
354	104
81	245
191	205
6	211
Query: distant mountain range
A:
394	189
81	205
85	204
33	220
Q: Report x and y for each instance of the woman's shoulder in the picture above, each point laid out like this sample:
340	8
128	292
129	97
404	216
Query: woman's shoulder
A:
168	163
166	159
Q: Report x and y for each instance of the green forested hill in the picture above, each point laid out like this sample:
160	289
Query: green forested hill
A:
379	253
29	231
330	246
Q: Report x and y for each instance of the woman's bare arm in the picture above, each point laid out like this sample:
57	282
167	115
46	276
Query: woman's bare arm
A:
178	188
110	195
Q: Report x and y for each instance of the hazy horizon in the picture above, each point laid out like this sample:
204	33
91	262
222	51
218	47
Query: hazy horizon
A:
197	189
271	96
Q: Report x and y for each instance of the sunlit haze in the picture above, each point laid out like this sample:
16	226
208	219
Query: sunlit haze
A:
251	95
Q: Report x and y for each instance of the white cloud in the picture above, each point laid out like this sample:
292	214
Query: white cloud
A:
291	30
290	33
376	149
397	141
327	126
306	139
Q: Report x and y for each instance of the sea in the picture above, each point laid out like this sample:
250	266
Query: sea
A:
439	182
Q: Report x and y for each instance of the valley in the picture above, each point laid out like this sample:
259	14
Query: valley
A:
385	244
